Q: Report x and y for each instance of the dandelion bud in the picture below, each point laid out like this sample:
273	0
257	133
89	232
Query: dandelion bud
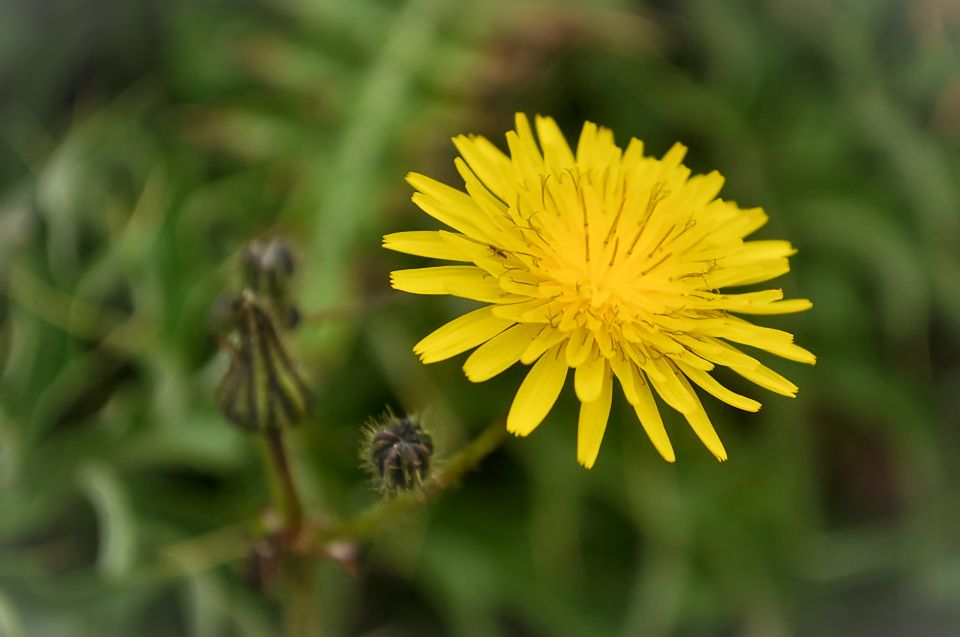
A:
268	270
398	452
262	388
223	315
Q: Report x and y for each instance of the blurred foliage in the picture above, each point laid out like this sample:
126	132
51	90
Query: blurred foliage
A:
142	144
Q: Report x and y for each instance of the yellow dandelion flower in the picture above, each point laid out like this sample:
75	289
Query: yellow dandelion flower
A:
604	261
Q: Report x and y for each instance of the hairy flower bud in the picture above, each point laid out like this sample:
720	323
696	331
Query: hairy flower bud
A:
398	453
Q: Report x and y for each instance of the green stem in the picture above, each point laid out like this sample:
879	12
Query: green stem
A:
301	617
203	553
285	497
367	522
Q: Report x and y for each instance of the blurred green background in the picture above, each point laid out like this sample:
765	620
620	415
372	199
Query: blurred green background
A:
143	143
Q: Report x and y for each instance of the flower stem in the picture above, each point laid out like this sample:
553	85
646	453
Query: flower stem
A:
301	616
200	554
285	496
367	522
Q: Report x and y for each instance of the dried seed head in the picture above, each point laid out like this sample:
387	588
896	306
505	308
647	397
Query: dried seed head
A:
397	452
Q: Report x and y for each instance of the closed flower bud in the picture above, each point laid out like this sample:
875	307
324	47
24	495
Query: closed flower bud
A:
262	388
398	453
224	314
268	268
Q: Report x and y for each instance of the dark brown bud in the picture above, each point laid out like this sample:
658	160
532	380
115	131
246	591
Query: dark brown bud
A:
398	452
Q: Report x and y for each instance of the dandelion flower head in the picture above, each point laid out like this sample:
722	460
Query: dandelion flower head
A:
604	261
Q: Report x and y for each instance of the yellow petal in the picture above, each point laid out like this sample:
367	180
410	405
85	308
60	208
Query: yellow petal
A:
547	338
586	143
651	420
525	311
732	276
556	151
527	161
768	379
465	281
719	352
673	157
778	307
579	346
750	368
595	147
666	380
638	394
435	280
460	334
487	162
712	386
626	372
500	352
434	244
701	425
753	252
447	205
538	392
593	423
492	205
521	283
703	188
747	221
770	340
588	378
734	302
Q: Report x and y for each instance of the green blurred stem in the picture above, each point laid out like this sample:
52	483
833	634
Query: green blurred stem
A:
366	523
301	614
203	553
285	496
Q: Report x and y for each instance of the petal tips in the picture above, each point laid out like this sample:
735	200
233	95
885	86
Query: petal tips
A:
538	392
